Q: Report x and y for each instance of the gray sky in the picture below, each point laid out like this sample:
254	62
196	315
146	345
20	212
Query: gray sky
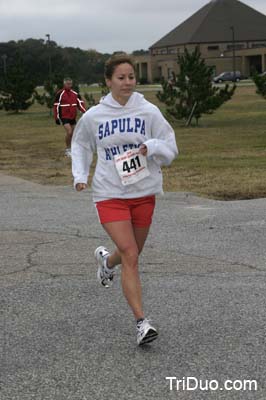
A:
104	25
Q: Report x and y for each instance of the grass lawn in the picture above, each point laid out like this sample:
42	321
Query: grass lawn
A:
223	158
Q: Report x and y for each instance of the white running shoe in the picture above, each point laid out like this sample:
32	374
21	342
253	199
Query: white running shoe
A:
105	278
68	152
145	332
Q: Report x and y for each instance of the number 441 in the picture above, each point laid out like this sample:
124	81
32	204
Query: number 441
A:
132	164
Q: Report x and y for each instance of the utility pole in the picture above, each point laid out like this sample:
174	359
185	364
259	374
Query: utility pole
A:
49	55
234	52
50	62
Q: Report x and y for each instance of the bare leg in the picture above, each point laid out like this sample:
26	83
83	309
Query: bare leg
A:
123	235
69	133
140	237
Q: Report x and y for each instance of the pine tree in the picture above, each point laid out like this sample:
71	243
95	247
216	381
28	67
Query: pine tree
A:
50	88
191	93
260	82
16	88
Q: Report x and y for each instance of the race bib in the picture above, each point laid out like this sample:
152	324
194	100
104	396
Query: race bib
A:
131	167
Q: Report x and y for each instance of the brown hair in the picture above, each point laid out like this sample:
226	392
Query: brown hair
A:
116	60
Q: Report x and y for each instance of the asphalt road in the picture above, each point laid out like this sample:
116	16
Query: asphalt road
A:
64	337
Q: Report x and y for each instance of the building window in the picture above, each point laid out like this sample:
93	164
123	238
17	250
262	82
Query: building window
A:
212	48
237	46
159	51
162	51
257	45
173	50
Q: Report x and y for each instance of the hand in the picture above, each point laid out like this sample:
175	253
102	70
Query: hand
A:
81	186
57	121
143	149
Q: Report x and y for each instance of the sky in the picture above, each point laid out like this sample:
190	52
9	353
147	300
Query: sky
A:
104	25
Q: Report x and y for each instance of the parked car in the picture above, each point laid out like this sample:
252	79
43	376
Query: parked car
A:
229	76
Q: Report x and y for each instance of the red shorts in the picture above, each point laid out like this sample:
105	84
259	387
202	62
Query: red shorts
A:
139	210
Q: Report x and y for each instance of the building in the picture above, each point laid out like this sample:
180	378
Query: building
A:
230	35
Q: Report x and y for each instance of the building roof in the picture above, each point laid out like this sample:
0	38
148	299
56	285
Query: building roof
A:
211	24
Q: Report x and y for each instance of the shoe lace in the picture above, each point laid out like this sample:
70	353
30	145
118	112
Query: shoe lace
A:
141	325
109	277
106	276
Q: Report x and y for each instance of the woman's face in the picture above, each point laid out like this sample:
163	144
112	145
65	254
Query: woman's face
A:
122	83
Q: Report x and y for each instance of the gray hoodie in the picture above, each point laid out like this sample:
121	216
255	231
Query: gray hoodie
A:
112	129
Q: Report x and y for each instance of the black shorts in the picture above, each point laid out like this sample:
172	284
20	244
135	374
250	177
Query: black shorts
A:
68	121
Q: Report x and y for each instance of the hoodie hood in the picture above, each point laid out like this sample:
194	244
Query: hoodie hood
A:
135	101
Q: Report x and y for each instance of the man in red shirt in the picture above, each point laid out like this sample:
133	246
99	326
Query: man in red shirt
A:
67	101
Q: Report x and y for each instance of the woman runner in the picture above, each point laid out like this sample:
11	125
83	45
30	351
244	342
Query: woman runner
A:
132	140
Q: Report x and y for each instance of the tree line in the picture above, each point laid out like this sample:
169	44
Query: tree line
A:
41	58
26	64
